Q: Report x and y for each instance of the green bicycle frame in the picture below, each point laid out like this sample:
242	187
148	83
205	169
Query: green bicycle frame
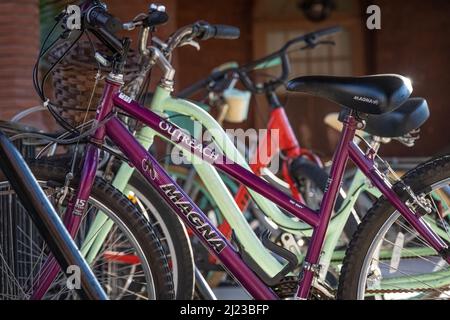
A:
164	103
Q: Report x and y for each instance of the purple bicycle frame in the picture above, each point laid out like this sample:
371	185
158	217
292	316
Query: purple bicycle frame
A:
197	221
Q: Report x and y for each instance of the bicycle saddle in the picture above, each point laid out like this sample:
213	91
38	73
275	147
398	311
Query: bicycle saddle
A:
409	116
376	94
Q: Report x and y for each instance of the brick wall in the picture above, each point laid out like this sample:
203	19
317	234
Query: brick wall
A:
414	41
19	45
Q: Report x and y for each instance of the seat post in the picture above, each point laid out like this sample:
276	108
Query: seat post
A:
351	122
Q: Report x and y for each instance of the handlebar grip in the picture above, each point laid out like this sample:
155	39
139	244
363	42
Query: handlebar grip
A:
104	26
204	31
99	17
226	32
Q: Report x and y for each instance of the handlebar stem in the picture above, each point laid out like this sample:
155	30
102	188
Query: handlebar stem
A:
273	100
143	38
169	72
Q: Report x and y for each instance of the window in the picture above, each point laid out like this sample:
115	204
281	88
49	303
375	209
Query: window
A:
324	59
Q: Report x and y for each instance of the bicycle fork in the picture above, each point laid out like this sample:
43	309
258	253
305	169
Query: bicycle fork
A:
72	220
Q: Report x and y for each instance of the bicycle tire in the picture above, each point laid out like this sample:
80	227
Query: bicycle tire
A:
52	176
170	227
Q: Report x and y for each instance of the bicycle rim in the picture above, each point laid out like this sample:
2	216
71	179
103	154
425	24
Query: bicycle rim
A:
400	265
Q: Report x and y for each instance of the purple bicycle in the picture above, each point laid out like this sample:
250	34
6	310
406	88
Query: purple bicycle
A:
374	266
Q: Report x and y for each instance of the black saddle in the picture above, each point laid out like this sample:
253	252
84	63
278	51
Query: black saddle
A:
409	116
376	94
406	118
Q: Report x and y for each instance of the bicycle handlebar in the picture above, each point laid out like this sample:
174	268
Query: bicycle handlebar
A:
156	17
105	26
242	71
217	31
312	36
201	30
189	91
310	40
102	24
97	16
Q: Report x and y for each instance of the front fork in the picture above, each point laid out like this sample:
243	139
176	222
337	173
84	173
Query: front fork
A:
72	220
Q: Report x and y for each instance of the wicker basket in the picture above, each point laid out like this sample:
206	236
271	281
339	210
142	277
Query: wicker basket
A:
74	78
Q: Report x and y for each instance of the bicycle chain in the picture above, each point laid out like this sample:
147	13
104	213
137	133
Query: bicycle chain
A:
287	288
401	290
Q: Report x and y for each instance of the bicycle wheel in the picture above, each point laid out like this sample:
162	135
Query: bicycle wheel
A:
171	233
387	258
169	229
129	263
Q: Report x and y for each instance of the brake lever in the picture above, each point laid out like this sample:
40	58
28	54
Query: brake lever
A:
193	43
312	44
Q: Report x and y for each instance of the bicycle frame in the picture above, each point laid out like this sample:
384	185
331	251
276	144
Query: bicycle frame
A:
197	221
163	102
289	144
